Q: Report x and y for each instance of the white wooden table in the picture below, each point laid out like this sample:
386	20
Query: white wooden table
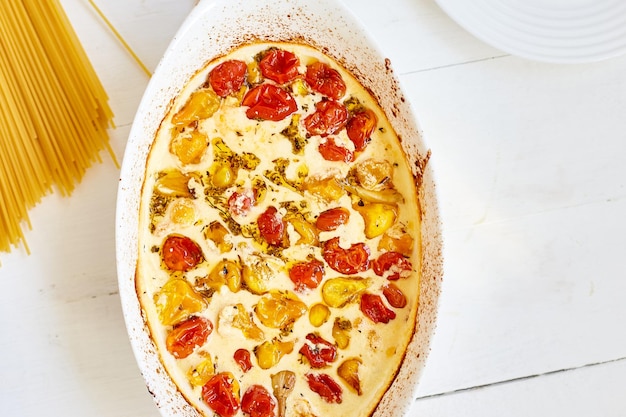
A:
530	160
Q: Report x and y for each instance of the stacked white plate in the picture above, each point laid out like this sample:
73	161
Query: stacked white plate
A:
559	31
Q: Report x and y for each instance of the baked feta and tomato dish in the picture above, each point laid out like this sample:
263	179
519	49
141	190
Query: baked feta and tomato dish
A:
279	244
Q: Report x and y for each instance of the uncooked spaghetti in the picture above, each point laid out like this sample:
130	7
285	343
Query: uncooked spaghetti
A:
54	112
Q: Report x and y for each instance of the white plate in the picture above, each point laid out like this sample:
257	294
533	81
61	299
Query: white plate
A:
558	31
212	29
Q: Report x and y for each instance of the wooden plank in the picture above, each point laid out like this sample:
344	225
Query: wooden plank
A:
529	162
588	391
67	358
531	295
418	35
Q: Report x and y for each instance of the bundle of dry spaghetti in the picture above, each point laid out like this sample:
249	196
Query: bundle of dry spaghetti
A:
54	112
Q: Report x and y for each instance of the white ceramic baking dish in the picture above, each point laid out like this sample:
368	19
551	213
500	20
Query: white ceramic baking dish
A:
212	29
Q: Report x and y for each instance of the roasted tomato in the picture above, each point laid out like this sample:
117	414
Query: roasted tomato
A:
325	387
349	372
225	272
272	227
329	117
374	174
337	292
270	352
177	300
377	218
258	402
402	243
279	65
341	332
394	295
318	351
227	77
328	189
200	373
189	147
360	128
373	307
223	175
185	336
238	317
180	253
330	151
306	230
240	202
279	310
332	218
307	275
269	102
325	80
202	104
221	393
242	357
349	261
319	314
257	274
393	265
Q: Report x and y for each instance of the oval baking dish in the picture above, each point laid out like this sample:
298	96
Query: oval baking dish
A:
213	30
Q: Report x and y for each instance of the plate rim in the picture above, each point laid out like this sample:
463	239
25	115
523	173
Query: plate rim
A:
499	35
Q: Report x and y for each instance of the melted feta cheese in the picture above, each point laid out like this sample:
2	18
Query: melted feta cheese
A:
379	346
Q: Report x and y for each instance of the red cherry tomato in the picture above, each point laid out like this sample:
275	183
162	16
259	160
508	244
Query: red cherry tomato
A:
240	203
393	264
332	152
331	219
307	275
394	295
279	65
325	387
360	128
373	307
185	336
180	253
268	102
329	117
349	261
272	227
227	77
325	80
257	402
242	357
221	393
318	351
